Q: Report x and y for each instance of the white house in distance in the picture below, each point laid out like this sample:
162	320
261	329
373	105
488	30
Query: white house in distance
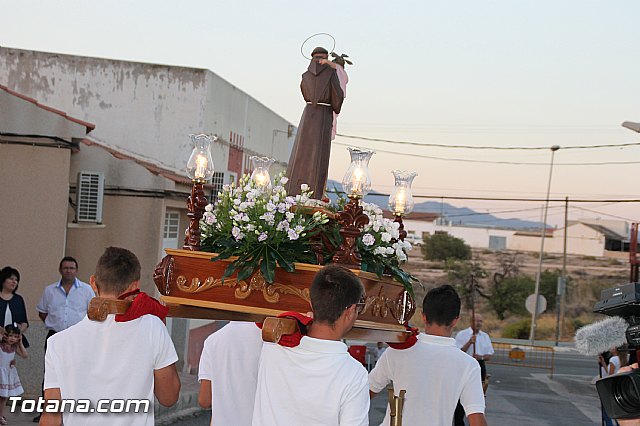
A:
585	237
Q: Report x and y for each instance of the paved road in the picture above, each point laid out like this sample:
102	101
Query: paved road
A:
521	396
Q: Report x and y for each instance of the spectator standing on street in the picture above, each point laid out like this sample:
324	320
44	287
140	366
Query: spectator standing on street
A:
64	303
12	309
476	343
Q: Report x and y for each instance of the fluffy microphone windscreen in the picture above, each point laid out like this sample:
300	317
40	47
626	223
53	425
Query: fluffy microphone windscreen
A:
601	336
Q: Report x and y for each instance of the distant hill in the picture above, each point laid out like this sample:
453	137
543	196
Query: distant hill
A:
457	215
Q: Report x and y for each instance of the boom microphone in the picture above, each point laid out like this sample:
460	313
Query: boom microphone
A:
601	336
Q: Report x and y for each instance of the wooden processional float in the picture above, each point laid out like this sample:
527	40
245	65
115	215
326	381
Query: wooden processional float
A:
191	286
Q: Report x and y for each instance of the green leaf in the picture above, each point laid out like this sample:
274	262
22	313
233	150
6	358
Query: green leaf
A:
268	268
283	262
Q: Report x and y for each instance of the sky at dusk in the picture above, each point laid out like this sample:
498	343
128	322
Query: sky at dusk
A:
499	73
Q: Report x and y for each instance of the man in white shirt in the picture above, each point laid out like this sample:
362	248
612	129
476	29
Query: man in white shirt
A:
64	303
317	382
434	372
228	373
106	362
476	343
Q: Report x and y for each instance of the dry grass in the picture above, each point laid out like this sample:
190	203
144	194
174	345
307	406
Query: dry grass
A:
588	276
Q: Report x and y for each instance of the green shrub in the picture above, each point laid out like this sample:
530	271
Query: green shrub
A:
442	246
517	330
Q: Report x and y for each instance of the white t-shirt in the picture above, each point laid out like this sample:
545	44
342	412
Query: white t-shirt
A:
483	342
435	374
108	360
230	360
317	383
615	360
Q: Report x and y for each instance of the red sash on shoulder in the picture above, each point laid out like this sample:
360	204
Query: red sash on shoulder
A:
142	304
293	340
411	340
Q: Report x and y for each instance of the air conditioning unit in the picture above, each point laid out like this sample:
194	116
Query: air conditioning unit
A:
89	197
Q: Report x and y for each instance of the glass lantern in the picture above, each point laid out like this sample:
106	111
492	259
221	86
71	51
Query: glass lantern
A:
200	164
260	174
401	199
357	182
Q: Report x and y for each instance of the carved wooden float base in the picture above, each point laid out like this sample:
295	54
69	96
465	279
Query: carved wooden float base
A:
190	279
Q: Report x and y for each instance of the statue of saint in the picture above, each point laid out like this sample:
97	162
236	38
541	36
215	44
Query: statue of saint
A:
309	161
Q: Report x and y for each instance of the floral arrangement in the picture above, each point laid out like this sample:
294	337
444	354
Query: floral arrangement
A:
262	229
381	249
265	229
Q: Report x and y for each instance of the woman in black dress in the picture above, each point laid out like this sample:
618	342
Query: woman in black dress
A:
12	309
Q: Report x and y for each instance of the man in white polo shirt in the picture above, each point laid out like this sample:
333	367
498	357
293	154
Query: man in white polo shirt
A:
317	382
228	373
434	372
476	343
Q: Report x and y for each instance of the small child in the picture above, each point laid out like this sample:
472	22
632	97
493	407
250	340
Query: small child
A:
9	380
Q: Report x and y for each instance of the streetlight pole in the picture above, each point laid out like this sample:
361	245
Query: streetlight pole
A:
536	293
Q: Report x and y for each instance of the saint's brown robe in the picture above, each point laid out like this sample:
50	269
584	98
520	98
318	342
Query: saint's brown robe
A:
309	161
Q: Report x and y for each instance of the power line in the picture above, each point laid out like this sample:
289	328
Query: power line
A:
607	214
502	148
514	163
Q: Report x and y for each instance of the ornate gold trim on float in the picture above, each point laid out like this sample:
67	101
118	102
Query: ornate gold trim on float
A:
270	292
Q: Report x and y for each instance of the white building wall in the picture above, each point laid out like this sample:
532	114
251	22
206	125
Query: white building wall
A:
475	237
581	240
146	109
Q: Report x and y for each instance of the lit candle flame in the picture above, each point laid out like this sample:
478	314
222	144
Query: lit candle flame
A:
401	201
201	167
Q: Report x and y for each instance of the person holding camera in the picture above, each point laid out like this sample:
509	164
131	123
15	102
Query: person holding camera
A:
609	363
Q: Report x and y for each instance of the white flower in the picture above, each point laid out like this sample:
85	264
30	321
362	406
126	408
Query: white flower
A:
289	216
389	250
263	236
368	239
282	225
237	234
243	206
304	187
380	251
275	198
237	217
210	219
270	206
293	235
250	227
284	180
298	229
208	208
282	207
386	237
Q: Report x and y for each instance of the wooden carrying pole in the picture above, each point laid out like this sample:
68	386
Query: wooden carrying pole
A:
273	328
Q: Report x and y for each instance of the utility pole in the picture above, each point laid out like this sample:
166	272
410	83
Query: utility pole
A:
562	280
534	315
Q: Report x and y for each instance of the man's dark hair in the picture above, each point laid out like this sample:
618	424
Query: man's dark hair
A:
334	288
5	273
441	305
117	268
68	259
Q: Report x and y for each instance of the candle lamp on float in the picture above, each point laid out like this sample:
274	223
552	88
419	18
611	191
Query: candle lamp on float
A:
401	199
356	184
200	170
260	174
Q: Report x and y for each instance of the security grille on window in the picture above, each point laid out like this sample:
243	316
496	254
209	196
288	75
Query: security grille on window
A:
171	224
217	181
89	196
